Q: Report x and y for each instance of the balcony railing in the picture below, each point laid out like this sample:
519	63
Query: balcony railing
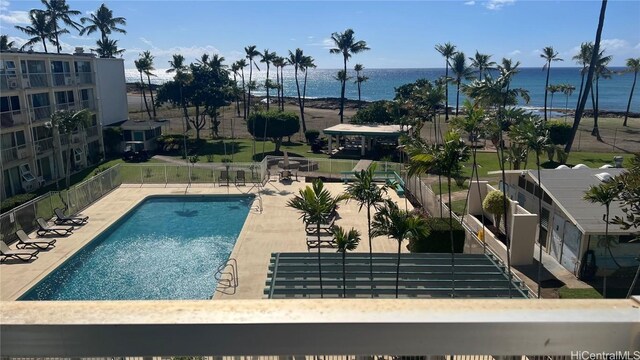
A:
88	104
41	113
92	131
43	145
63	79
67	106
14	153
84	78
35	80
12	118
9	82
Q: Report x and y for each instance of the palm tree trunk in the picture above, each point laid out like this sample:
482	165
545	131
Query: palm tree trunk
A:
370	247
144	95
453	273
55	31
282	81
606	241
546	90
68	169
457	96
278	87
551	104
344	84
304	95
249	87
44	43
319	259
267	86
566	109
304	125
596	111
504	209
344	273
398	268
583	100
153	103
539	227
633	86
446	90
235	81
244	96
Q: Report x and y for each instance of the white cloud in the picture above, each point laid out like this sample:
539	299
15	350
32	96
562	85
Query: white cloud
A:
326	43
4	4
190	53
637	47
614	44
472	2
146	42
515	52
498	4
15	17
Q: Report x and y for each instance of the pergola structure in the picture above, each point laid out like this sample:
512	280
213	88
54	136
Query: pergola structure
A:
295	275
367	134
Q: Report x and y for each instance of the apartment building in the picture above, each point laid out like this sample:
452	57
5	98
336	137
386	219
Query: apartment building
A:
32	87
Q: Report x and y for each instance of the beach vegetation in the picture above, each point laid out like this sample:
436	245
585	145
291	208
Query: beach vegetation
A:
493	204
57	12
345	241
601	71
447	50
251	53
268	58
274	125
358	68
40	30
461	71
5	44
549	55
633	65
108	49
483	63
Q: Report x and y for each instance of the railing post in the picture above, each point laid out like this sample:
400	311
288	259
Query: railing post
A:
166	180
141	176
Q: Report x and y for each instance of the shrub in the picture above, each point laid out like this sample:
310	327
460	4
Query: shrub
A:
438	239
375	113
14	201
493	203
562	155
311	135
559	132
210	158
278	125
194	159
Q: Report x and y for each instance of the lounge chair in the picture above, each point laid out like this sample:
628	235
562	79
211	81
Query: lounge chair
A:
45	229
285	175
240	177
24	241
224	177
325	226
24	255
62	219
328	240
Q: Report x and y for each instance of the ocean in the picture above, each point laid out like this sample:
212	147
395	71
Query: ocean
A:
614	92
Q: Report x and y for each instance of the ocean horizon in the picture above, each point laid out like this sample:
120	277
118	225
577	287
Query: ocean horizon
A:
613	92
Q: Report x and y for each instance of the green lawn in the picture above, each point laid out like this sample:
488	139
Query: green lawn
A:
566	293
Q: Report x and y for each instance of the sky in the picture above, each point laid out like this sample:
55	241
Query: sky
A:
401	34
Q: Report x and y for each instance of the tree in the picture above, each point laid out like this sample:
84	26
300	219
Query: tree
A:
55	11
601	71
65	122
549	55
447	50
267	58
148	68
40	30
346	241
273	124
177	65
296	60
633	65
315	203
603	194
399	225
482	63
583	100
346	44
359	80
141	65
108	49
364	190
306	64
492	204
251	53
5	44
462	71
567	90
279	62
553	89
242	63
104	22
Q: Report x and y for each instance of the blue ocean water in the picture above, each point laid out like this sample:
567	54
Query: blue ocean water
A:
614	92
165	248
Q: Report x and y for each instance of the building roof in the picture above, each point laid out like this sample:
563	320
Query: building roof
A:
566	187
366	130
142	125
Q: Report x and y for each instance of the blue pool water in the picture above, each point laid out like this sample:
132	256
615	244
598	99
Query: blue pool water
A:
164	248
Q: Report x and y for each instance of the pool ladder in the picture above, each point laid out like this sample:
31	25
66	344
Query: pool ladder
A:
227	277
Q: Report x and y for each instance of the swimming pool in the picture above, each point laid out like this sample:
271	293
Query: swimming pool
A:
167	247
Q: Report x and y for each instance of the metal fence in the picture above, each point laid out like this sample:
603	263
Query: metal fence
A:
209	173
426	197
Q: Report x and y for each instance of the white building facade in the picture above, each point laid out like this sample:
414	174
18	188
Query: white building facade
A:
32	87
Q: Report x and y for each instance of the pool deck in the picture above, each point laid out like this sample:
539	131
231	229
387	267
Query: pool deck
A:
276	229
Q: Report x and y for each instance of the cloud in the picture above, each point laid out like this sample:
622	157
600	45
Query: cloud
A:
146	42
498	4
515	52
637	47
471	3
190	53
326	43
4	4
614	44
12	17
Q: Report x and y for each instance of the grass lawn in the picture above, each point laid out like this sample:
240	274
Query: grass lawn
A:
445	189
566	293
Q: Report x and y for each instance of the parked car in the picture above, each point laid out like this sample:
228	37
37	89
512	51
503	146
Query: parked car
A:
134	156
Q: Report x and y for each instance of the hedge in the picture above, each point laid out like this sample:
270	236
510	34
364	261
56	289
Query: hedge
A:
438	240
15	201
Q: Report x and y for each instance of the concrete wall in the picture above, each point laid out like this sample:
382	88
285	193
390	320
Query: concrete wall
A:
111	91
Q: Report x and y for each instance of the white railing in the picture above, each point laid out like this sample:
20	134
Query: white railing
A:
43	145
12	118
14	153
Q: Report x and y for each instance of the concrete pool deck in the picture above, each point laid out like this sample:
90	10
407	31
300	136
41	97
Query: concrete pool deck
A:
276	229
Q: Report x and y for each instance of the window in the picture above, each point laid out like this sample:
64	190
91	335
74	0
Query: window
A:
522	183
39	100
82	66
625	239
148	134
127	135
33	67
530	187
546	198
86	94
20	140
40	132
64	97
138	136
10	103
60	67
538	191
7	67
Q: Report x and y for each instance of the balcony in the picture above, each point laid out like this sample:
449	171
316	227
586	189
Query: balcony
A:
35	80
67	106
63	79
14	153
84	78
43	145
41	113
9	82
88	104
93	131
12	118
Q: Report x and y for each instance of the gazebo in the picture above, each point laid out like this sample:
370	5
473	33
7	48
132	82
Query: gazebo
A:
368	134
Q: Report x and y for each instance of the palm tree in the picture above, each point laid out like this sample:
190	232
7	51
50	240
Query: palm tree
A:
583	100
58	10
148	62
399	225
603	194
177	65
549	55
316	203
40	30
235	68
534	135
242	63
296	60
633	65
346	44
278	62
553	89
251	53
65	122
462	71
448	50
141	65
359	80
108	49
582	58
5	44
306	64
364	190
346	241
482	63
601	71
567	90
267	58
104	22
